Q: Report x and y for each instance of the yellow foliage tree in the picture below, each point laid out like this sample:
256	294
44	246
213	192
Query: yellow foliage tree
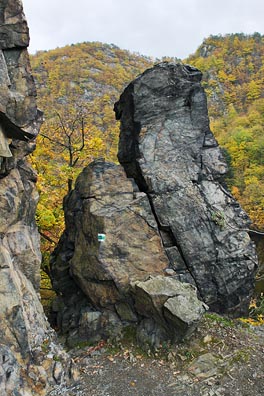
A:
77	87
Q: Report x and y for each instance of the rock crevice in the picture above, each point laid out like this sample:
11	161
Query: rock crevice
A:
172	248
176	160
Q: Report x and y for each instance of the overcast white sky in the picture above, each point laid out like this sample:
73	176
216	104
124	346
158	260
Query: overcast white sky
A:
152	27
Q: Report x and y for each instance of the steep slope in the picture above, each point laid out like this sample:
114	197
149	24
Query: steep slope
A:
233	68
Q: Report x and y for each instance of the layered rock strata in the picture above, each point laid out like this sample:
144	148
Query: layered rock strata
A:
26	340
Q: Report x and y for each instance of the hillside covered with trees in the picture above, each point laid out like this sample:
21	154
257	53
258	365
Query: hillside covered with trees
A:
233	68
77	87
79	84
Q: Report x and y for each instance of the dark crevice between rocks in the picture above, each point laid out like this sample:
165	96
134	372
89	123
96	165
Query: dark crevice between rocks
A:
129	161
173	241
107	282
6	165
13	131
128	150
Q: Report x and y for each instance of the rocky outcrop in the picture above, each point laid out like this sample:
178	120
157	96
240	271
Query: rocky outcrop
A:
167	147
114	274
138	245
110	206
26	340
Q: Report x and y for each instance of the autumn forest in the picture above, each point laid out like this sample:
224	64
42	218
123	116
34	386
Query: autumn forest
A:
78	85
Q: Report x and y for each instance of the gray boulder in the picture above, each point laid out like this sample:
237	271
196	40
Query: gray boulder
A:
170	304
132	249
113	276
105	202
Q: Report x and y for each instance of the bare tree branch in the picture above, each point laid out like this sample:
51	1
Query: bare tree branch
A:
47	238
71	137
53	140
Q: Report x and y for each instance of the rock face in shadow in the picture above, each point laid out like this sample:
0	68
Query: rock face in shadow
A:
24	330
170	226
167	147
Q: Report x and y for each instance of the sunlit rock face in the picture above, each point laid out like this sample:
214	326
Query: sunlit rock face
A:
24	330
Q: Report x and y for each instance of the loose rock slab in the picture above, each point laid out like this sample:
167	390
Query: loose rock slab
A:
173	305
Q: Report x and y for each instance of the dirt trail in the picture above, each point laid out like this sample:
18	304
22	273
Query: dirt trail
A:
223	358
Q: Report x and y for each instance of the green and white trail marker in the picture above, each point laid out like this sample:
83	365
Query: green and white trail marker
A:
101	237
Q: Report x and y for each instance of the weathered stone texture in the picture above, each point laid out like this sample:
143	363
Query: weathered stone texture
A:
109	273
171	226
167	147
19	116
172	305
24	330
132	249
105	202
13	25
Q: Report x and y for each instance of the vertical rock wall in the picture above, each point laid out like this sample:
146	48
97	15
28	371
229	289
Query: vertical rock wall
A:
166	145
25	334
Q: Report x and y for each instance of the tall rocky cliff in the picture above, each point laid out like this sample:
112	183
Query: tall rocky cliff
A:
142	238
24	331
166	145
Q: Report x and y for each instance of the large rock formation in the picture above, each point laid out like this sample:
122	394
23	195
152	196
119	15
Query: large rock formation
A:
25	335
112	273
167	147
169	220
